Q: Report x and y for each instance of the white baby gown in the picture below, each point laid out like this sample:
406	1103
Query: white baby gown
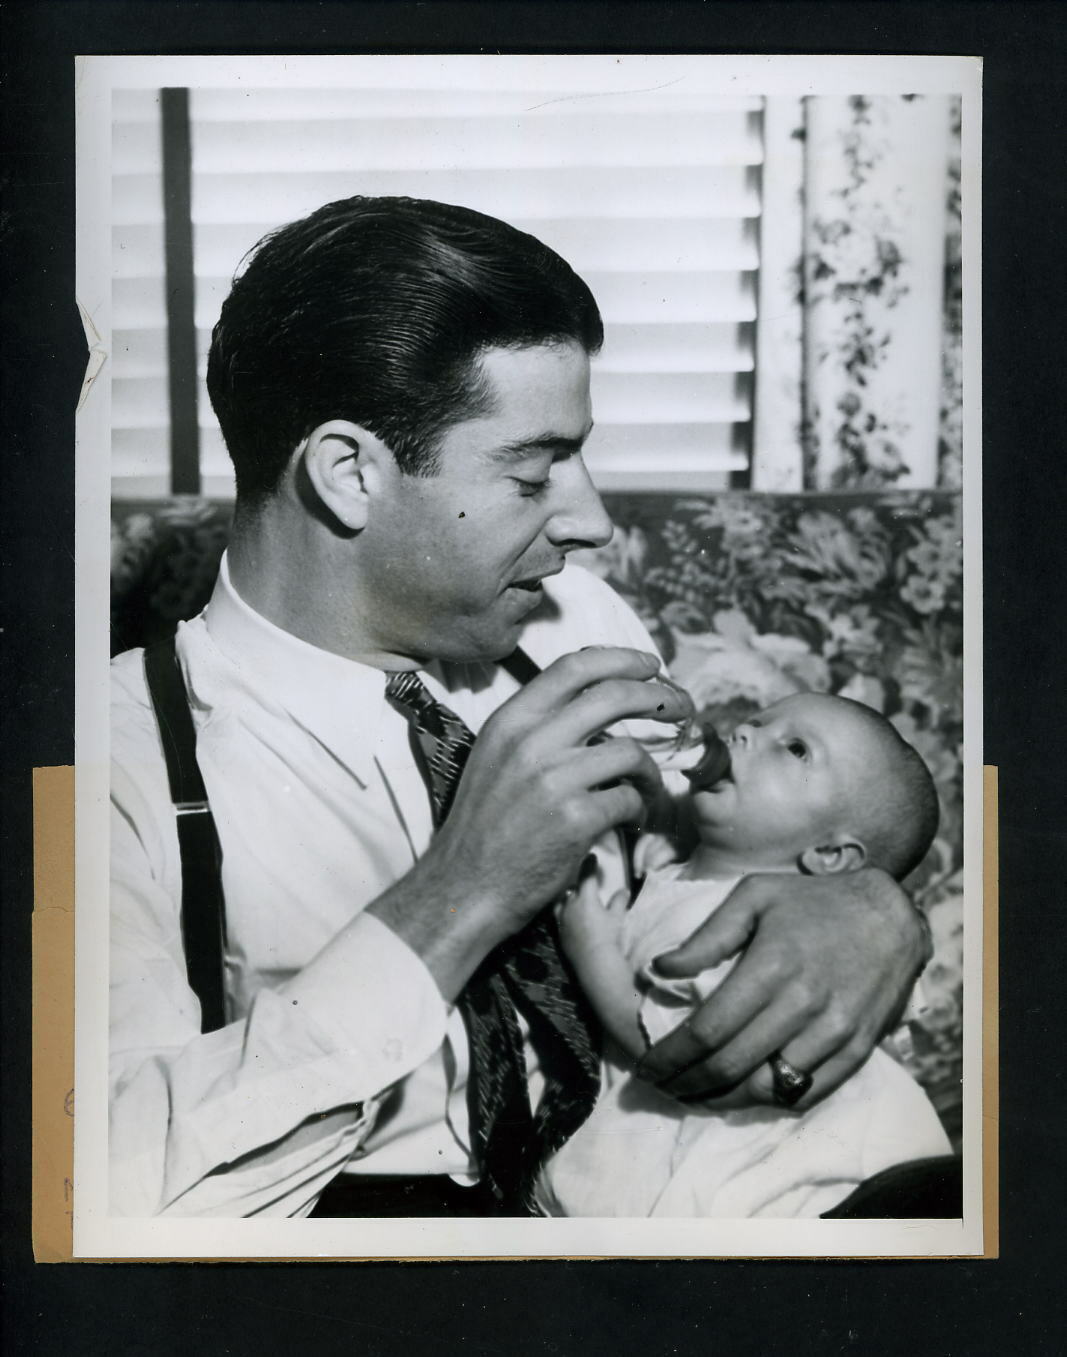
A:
643	1154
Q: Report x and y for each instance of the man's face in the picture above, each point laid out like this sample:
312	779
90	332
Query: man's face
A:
794	770
457	557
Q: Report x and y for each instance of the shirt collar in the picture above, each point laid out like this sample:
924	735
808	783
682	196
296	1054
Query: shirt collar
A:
336	700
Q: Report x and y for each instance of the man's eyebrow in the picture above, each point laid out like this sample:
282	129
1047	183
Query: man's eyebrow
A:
557	444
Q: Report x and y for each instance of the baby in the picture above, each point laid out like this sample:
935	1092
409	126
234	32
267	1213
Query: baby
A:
812	784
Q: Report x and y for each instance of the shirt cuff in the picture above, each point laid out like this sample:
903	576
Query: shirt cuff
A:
373	998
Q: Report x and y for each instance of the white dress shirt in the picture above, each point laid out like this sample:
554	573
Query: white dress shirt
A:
340	1052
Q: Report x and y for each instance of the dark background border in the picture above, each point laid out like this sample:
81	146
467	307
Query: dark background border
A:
562	1308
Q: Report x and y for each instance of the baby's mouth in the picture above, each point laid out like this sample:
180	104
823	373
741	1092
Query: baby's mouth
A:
714	765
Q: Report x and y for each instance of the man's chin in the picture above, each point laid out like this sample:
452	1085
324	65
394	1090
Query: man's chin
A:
499	640
482	648
487	640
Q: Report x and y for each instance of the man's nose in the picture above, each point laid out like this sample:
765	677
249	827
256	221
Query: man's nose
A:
580	520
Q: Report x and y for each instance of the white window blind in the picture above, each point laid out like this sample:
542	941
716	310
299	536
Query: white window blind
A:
653	198
140	409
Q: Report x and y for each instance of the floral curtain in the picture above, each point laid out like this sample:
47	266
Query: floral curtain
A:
861	302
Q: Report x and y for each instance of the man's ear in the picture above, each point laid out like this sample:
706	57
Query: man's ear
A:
346	464
847	856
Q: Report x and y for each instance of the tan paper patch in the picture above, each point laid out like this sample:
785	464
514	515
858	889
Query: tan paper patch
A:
53	1014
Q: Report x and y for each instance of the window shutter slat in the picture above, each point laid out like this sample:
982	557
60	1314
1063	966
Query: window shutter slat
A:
137	401
140	412
352	146
670	398
686	297
649	448
136	145
136	198
677	347
134	105
417	103
141	302
632	245
136	250
141	454
535	194
140	352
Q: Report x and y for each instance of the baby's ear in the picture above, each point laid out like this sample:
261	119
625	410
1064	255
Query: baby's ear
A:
847	856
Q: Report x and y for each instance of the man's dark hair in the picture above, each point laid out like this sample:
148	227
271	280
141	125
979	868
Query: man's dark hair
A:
376	310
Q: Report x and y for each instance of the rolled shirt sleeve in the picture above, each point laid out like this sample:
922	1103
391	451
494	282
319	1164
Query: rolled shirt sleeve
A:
258	1116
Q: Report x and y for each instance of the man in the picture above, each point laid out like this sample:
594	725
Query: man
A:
404	390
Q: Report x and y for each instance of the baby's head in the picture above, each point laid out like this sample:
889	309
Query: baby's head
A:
818	784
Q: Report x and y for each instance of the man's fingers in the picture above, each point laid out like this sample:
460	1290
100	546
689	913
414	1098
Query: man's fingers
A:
804	987
708	1029
609	700
728	930
747	1057
829	1075
614	806
562	680
733	1061
598	765
819	1053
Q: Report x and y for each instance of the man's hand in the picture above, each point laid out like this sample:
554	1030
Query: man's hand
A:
828	964
534	797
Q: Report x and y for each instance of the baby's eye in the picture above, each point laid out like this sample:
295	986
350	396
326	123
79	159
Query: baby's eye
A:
528	489
798	749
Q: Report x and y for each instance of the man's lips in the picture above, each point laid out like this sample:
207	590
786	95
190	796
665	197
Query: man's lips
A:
531	583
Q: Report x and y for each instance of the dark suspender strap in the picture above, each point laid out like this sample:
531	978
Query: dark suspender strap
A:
203	907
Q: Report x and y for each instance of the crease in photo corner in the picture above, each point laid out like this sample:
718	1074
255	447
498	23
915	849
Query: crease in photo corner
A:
97	355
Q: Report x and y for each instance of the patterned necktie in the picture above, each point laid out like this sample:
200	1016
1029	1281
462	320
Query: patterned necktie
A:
527	972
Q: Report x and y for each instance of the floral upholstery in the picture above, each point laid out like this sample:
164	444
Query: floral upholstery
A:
750	597
164	559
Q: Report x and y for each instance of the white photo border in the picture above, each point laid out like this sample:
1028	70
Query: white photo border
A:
99	1235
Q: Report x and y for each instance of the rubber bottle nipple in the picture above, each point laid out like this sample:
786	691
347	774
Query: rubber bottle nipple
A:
714	764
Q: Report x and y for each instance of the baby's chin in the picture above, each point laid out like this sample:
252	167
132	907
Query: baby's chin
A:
723	836
714	814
